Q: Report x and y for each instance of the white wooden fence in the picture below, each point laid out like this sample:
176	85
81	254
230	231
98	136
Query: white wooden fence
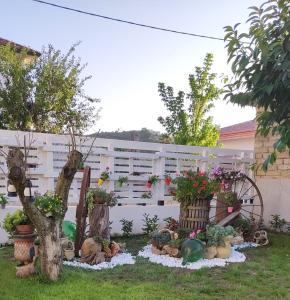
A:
136	160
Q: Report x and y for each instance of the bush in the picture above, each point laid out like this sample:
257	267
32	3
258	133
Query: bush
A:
127	227
150	224
3	199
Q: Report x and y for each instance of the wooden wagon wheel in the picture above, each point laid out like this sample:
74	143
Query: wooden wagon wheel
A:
250	203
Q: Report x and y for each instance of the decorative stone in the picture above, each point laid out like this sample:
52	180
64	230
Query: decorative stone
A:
171	251
115	248
223	251
237	240
157	251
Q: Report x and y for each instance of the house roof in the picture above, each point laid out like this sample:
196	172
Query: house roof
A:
18	47
240	130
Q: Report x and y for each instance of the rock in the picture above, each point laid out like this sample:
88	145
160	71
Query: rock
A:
171	251
90	246
237	240
115	248
224	251
157	251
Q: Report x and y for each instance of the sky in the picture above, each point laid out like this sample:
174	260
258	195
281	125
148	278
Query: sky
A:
127	62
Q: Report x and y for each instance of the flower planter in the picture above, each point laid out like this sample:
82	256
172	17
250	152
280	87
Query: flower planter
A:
69	254
230	209
25	229
210	252
195	216
22	247
223	251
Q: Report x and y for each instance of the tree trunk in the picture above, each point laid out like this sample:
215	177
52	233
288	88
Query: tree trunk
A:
99	221
50	250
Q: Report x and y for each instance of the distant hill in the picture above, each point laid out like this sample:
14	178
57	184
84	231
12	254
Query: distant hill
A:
143	135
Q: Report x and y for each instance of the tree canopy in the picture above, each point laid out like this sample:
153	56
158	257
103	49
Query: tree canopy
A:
261	65
45	94
191	125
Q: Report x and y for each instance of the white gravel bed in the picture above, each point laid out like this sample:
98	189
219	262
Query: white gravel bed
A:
172	262
246	245
118	260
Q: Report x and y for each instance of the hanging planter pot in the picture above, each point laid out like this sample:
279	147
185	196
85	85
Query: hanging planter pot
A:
230	209
11	190
28	192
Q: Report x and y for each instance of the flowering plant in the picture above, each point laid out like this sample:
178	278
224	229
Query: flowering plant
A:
167	179
49	204
152	180
226	177
192	186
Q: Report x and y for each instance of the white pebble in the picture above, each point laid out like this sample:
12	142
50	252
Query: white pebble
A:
118	260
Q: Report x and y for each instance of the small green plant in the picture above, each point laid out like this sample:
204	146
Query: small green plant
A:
49	204
127	227
243	225
278	223
150	224
99	196
122	180
3	200
146	195
229	198
171	223
12	220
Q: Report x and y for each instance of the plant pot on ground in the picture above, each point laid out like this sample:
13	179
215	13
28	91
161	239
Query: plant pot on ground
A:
17	222
3	201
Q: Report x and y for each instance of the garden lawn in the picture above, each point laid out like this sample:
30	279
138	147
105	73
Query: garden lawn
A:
265	275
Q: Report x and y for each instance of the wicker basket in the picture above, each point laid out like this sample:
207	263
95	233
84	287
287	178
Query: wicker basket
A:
195	216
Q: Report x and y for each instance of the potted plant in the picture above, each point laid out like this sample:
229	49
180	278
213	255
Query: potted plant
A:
17	222
167	180
3	201
219	241
105	175
152	180
49	204
194	190
81	166
97	196
122	180
69	252
230	199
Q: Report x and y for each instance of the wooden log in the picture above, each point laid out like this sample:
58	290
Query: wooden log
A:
99	221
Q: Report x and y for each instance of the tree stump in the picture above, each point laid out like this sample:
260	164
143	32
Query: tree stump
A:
195	216
99	221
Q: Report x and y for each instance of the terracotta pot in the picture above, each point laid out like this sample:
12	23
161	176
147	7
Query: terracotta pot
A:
230	209
25	229
22	249
223	251
210	252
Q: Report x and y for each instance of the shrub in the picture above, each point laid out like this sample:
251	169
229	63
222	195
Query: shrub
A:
3	199
216	233
150	224
127	227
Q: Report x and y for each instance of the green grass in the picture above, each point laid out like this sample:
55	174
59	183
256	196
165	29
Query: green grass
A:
265	275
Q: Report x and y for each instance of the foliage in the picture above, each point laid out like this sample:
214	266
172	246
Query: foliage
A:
153	179
150	224
146	195
122	180
229	198
191	126
216	233
48	92
160	239
171	223
105	175
183	233
127	227
176	243
226	177
260	63
49	204
278	223
243	225
12	220
3	199
99	196
192	186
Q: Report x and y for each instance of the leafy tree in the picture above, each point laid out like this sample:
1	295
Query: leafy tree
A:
44	95
190	126
261	66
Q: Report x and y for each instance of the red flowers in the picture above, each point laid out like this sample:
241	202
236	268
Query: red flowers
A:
204	182
149	184
167	181
195	185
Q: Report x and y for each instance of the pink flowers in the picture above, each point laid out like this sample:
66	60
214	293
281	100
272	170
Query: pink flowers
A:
193	234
